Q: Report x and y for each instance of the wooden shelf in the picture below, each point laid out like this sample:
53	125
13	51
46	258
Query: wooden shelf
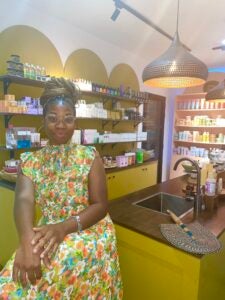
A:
8	79
3	148
200	110
104	121
204	143
199	126
112	97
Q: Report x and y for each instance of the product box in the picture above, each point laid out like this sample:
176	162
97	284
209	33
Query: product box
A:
89	136
76	138
122	161
141	136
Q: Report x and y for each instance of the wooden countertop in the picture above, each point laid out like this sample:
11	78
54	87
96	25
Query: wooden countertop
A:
146	221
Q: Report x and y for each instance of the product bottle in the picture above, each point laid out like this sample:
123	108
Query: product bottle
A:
139	156
10	137
219	185
43	73
32	71
210	185
26	70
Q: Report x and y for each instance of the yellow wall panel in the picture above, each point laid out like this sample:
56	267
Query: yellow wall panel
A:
124	74
32	46
84	63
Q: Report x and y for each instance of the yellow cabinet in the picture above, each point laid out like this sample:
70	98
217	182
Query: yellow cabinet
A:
8	236
127	181
154	270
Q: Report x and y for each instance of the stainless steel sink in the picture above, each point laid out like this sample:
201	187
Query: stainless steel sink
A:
161	202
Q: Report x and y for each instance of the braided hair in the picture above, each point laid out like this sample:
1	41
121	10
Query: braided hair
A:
59	90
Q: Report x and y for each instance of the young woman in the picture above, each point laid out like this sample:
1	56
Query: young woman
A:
72	253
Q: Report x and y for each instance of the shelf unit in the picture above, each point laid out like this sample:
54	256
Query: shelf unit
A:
190	106
8	116
7	80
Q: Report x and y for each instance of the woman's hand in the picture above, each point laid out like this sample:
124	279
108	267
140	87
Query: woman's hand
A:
27	265
48	237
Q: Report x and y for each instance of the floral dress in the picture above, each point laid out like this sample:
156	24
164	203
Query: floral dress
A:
86	264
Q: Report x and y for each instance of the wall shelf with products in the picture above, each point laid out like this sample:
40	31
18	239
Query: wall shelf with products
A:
198	125
195	142
8	79
112	123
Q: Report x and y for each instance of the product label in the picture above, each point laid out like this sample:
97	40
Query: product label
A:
210	188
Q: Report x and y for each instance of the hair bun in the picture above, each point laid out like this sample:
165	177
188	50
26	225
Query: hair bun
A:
57	87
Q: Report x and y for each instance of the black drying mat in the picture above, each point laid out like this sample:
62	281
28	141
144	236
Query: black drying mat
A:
205	241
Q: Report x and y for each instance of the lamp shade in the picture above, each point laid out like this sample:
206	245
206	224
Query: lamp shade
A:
217	93
176	68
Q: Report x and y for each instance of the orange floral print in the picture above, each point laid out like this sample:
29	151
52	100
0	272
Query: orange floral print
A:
85	265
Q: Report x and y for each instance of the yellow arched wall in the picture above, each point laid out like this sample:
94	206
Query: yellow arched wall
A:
124	74
84	63
33	47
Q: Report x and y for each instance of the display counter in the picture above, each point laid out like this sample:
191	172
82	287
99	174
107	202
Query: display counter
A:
154	269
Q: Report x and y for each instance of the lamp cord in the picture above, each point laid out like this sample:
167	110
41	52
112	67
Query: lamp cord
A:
178	8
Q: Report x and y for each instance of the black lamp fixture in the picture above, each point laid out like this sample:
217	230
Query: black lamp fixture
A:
217	93
176	68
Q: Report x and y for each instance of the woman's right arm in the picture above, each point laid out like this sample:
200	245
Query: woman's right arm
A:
24	208
26	264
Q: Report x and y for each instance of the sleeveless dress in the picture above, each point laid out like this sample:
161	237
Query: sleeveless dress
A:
86	264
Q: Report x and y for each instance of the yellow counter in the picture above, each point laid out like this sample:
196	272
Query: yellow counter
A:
8	236
153	270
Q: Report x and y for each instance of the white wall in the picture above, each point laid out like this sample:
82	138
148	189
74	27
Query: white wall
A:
67	39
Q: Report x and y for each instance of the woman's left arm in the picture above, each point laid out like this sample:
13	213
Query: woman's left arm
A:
55	233
97	198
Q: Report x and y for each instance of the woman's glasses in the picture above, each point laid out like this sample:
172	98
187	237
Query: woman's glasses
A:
52	119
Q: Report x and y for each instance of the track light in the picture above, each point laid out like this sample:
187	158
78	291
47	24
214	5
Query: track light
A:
115	14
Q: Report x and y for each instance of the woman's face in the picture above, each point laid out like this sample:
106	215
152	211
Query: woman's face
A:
59	123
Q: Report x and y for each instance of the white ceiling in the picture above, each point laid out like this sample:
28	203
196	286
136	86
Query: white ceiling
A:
201	24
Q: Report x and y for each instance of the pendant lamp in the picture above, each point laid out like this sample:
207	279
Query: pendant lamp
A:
216	93
176	68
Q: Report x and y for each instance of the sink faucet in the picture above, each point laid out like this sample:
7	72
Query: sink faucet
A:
197	198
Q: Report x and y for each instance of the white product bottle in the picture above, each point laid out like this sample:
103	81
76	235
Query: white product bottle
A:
210	185
10	137
219	185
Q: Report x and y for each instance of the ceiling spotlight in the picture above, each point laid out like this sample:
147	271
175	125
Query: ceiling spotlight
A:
115	14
